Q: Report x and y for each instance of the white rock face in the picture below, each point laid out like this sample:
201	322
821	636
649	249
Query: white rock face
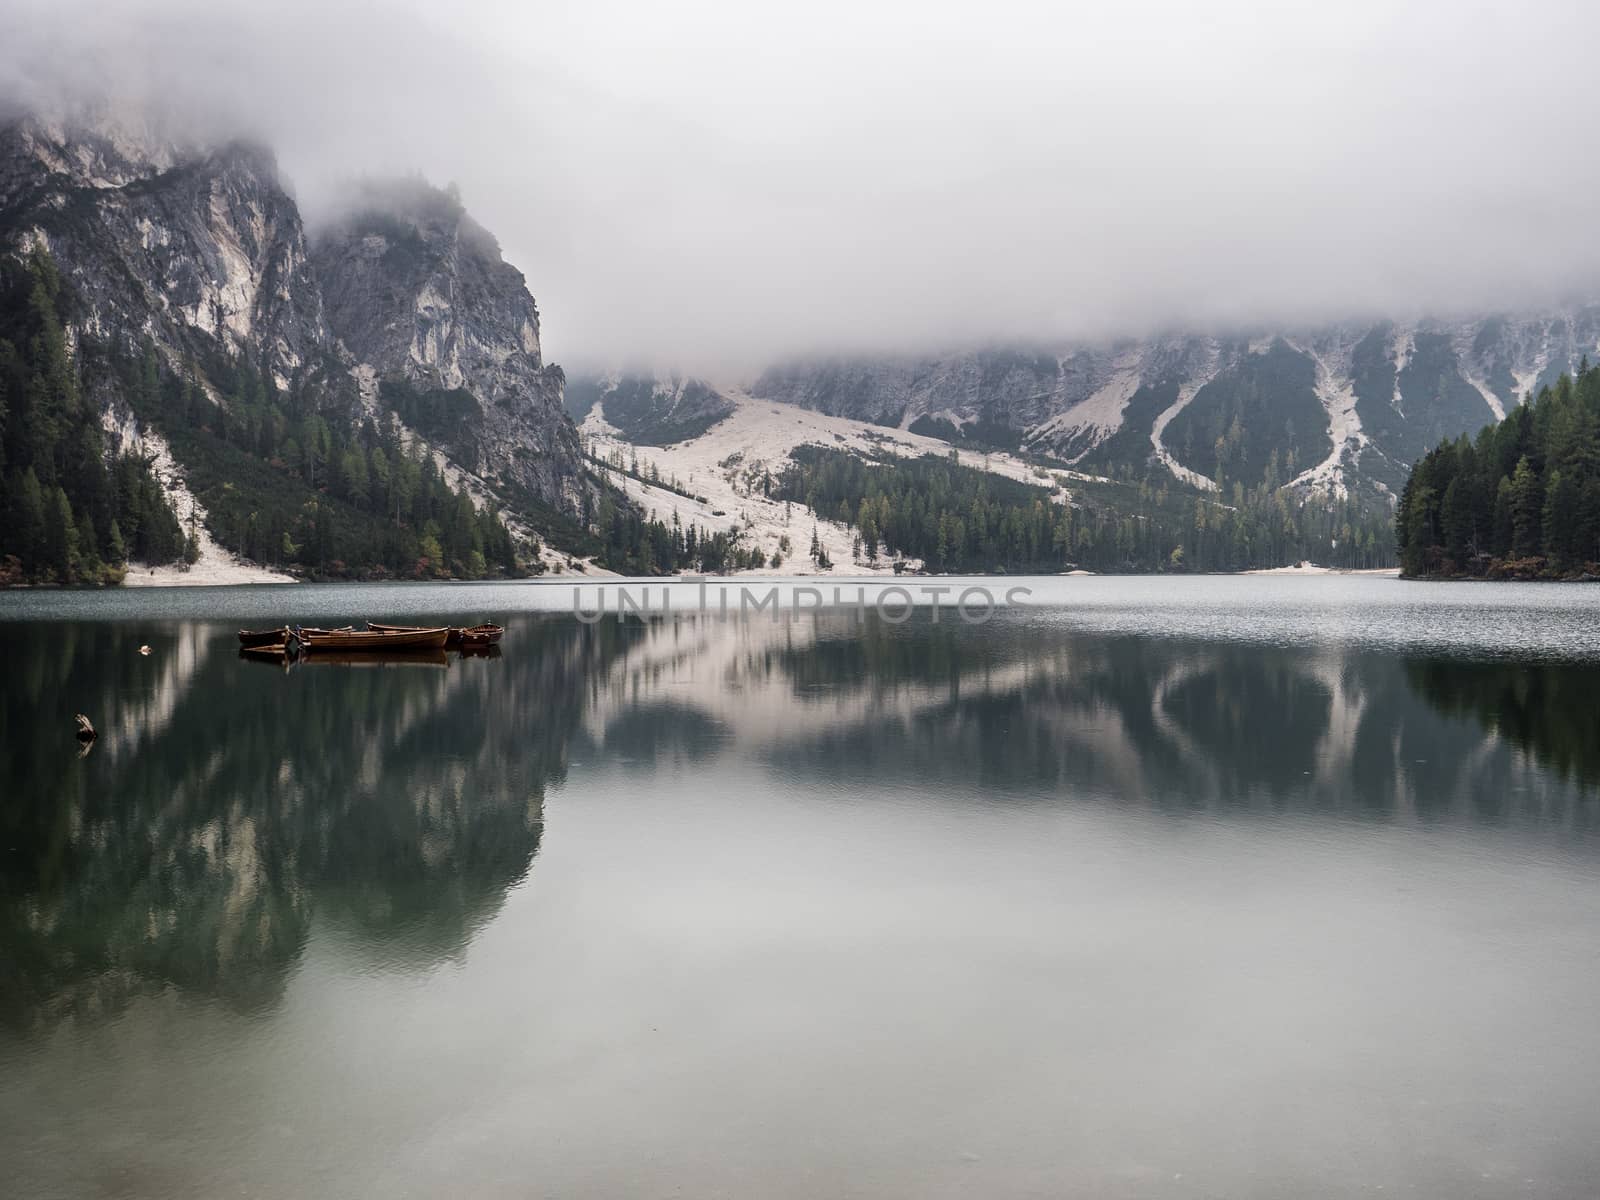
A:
416	288
173	240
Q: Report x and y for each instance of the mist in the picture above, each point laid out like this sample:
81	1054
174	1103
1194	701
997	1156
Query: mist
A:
716	185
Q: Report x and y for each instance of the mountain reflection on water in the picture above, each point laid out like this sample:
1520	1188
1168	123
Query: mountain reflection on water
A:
226	808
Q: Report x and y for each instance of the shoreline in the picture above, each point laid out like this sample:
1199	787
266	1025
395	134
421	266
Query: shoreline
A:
172	577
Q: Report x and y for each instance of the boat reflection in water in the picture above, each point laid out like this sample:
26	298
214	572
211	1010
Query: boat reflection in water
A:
377	658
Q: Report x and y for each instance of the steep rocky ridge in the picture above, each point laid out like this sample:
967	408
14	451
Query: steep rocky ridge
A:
1386	391
417	288
203	251
181	245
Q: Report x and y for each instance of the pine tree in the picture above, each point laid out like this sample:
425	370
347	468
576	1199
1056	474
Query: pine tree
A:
60	536
1527	506
1503	523
1559	518
1456	515
28	519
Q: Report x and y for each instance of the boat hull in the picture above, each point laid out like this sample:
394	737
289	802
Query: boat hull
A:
414	639
475	635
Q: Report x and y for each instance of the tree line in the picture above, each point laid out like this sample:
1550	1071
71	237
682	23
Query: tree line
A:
290	479
960	519
287	475
72	513
631	542
1520	500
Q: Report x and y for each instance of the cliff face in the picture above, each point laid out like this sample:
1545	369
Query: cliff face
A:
418	289
204	250
166	242
1342	405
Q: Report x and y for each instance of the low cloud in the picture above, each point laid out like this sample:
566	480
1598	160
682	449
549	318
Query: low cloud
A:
713	185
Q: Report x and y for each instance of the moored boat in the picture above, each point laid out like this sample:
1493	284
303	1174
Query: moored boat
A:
474	635
374	639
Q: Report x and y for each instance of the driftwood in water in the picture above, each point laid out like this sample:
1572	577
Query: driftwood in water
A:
86	731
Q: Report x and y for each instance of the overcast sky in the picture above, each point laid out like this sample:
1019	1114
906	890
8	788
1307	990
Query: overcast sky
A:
714	183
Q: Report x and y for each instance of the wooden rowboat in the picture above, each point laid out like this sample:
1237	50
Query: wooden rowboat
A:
272	637
374	639
476	635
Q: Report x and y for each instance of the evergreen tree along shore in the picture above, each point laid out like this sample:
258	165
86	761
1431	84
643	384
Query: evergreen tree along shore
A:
962	519
1519	501
70	514
286	477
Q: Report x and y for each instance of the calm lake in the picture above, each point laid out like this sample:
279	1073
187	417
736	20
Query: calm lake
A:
1259	887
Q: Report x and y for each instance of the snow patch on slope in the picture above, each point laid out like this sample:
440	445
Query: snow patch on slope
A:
723	468
1527	379
1485	391
1338	398
215	565
1186	393
1101	411
1405	344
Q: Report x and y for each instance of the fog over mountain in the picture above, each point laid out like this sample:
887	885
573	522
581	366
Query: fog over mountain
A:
717	185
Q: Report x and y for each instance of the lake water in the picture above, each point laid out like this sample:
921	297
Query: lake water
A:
1256	887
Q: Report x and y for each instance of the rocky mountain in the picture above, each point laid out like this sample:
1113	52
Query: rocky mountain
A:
649	410
405	304
417	288
1339	407
181	244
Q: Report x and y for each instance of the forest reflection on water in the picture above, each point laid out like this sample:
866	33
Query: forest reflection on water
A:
644	906
226	807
